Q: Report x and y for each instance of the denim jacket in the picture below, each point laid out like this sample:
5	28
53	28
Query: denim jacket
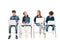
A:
14	18
26	19
49	19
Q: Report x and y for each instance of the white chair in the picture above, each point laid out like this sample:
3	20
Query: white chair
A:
52	23
41	21
26	26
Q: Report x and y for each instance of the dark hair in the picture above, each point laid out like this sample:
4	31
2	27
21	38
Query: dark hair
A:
13	11
51	13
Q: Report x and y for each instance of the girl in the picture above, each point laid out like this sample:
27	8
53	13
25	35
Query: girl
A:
26	18
38	15
39	24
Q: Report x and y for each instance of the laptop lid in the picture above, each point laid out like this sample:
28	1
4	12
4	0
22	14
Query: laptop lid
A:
39	20
12	22
51	22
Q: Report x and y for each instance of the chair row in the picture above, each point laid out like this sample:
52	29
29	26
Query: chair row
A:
38	20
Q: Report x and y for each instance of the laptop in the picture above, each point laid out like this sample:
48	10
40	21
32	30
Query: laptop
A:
39	20
51	22
12	22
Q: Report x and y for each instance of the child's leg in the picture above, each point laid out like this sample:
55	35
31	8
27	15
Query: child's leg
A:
53	27
16	29
54	30
9	32
47	28
41	27
40	30
10	29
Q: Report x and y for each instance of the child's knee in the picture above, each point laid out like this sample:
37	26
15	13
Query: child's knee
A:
53	27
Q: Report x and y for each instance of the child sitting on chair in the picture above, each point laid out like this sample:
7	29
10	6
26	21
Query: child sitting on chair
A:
38	16
14	17
25	20
50	18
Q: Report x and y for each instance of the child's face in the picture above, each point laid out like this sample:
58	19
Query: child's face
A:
25	14
50	15
14	14
38	13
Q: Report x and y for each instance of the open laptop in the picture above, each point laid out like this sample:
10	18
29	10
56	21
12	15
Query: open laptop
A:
12	22
39	20
51	22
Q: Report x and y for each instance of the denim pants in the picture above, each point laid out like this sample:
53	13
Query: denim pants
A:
16	28
40	27
53	27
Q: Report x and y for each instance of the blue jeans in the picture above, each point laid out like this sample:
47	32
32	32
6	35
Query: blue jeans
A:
53	27
16	27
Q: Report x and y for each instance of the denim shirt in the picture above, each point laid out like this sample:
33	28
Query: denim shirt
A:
14	18
26	19
49	19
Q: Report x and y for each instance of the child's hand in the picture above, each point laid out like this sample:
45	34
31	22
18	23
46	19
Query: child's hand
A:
17	22
25	22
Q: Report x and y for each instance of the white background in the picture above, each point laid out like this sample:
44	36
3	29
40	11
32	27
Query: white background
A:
31	6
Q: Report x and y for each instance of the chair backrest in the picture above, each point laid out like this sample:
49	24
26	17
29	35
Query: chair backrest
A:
40	20
51	23
12	22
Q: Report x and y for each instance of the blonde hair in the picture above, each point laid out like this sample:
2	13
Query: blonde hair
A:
39	12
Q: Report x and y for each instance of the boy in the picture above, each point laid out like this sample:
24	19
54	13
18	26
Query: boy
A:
50	18
13	17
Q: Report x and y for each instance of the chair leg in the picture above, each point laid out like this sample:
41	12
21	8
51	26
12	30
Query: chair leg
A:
44	32
34	31
26	31
31	31
20	32
55	32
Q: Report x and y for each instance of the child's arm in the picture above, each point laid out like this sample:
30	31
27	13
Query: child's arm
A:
29	20
22	20
10	18
35	20
46	19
